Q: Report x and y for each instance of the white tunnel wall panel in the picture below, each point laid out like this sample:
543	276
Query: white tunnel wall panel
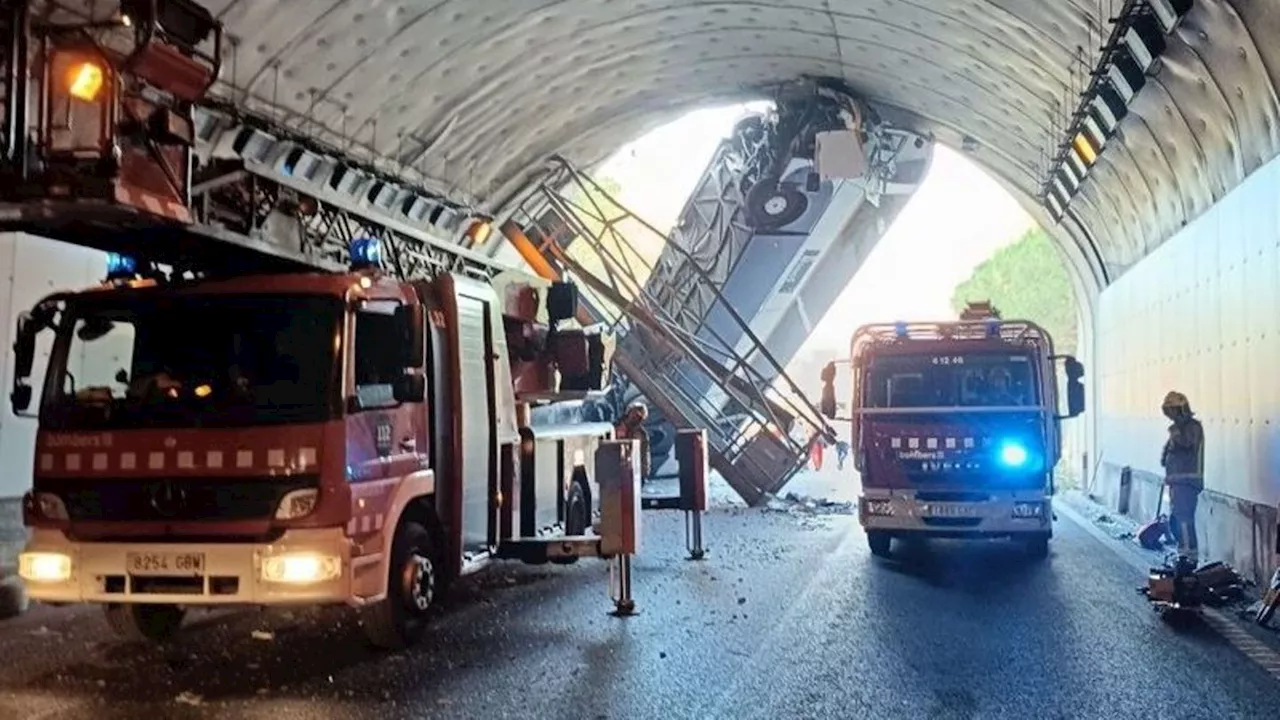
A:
31	268
1200	315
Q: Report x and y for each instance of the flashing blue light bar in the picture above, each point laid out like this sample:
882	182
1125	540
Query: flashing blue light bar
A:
993	328
900	329
366	252
120	266
1013	455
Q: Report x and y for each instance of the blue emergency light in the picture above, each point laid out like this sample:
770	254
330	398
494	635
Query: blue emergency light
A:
900	329
1013	455
366	252
120	267
993	328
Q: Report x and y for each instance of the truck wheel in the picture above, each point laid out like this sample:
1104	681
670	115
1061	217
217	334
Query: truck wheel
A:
879	541
1038	546
144	622
771	206
399	619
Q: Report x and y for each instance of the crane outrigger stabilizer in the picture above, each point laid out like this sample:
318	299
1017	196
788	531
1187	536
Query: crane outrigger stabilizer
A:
232	418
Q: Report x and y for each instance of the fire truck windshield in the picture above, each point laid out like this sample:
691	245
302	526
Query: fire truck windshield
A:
951	380
148	360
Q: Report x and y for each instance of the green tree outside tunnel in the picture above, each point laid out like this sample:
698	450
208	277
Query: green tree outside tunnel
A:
1027	280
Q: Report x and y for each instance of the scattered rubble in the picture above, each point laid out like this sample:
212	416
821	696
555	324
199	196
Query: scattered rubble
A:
188	698
794	504
263	635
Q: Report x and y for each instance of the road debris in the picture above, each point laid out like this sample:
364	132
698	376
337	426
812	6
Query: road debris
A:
794	504
189	698
263	635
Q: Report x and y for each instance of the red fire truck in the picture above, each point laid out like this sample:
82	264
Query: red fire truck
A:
220	425
956	428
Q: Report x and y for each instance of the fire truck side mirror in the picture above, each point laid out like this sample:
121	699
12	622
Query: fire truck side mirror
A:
24	347
411	320
24	356
1075	386
410	388
827	404
20	398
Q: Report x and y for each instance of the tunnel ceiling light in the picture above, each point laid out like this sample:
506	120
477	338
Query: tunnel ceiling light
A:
1059	193
1083	147
1133	48
1097	135
1068	179
253	145
1170	12
1145	41
1077	164
1109	107
1055	206
1125	74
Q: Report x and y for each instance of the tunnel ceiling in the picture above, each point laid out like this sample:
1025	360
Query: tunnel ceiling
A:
476	94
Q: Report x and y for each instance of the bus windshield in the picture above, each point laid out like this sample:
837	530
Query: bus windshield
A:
185	361
951	380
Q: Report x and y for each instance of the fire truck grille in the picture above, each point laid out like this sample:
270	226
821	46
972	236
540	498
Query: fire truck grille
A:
159	499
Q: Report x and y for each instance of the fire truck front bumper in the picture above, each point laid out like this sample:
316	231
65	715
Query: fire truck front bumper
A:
1003	514
302	567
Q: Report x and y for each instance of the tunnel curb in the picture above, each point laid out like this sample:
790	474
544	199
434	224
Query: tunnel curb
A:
1229	628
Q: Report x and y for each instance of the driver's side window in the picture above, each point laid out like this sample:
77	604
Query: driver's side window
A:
376	356
96	360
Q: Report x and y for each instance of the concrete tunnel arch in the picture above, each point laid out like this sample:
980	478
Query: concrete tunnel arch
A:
471	97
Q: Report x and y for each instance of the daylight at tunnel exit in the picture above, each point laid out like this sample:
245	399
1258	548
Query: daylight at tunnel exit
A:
605	359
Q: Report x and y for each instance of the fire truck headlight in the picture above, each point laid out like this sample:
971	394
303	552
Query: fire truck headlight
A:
1013	455
85	81
300	568
44	567
297	504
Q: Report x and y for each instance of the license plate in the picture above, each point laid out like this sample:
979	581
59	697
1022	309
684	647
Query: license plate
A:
167	564
948	510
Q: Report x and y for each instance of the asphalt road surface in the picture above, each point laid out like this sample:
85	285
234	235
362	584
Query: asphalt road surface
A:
790	617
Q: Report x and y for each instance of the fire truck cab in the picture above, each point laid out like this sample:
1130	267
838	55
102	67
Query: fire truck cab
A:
307	438
956	428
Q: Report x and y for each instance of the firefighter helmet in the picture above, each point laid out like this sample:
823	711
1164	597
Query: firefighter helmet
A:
1175	399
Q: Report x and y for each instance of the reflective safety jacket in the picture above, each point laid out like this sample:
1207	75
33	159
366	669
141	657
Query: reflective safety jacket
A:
1183	457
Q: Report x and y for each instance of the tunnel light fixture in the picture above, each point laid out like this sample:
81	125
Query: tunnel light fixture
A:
1084	148
1145	41
1055	207
1139	36
1097	136
1170	12
1067	177
1077	164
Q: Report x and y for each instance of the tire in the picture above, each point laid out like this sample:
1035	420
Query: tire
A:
880	543
413	583
771	206
1037	546
144	622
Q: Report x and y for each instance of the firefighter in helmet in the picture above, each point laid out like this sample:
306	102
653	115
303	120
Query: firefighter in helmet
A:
1183	461
632	426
